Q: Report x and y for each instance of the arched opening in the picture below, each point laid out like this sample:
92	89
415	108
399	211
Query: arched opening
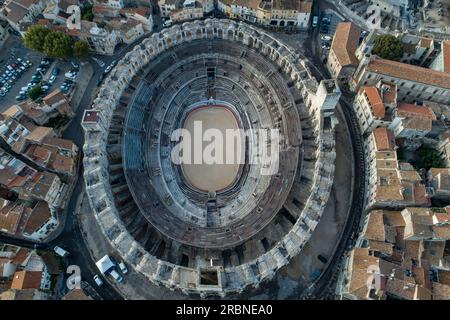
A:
250	42
241	36
220	34
198	33
230	34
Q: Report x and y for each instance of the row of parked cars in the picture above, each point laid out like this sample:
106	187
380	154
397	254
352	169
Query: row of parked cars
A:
70	77
114	274
111	270
12	72
36	79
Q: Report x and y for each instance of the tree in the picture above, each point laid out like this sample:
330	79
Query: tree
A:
86	12
35	93
430	158
388	47
34	38
58	44
80	49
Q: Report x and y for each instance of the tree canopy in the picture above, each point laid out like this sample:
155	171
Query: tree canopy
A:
35	93
429	158
58	44
388	47
54	43
34	38
80	49
86	12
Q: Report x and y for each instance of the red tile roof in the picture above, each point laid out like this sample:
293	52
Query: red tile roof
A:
384	139
345	43
373	95
409	72
408	110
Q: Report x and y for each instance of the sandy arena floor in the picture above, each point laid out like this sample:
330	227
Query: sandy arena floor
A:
211	177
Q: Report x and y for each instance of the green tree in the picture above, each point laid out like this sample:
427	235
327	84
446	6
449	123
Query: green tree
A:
86	12
34	38
388	47
35	93
430	158
80	49
58	44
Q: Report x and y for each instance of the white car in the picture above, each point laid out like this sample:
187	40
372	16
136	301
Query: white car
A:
116	276
98	280
60	251
123	267
52	79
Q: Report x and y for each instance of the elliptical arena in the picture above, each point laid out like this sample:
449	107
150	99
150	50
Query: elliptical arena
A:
175	225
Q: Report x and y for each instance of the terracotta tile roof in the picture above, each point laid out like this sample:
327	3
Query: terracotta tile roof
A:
61	163
76	294
54	97
440	291
59	143
407	110
27	280
39	216
409	72
297	5
373	95
39	134
446	55
345	42
425	42
375	226
10	214
384	139
143	11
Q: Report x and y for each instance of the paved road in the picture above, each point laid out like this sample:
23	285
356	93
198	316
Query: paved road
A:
324	288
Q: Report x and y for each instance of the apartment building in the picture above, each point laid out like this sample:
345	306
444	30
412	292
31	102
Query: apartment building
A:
292	14
342	61
414	83
390	183
374	106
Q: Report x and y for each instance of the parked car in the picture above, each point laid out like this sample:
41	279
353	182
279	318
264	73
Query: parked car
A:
98	280
55	71
116	275
322	258
123	267
52	79
60	251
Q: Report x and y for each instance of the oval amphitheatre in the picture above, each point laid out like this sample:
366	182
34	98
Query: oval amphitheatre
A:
209	230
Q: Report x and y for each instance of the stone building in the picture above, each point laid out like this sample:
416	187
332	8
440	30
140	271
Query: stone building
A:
414	83
290	14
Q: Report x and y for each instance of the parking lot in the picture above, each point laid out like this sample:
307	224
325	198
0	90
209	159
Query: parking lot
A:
31	76
328	22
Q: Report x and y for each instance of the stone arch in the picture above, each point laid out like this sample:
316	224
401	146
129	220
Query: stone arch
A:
209	33
241	36
220	33
198	33
250	42
230	34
